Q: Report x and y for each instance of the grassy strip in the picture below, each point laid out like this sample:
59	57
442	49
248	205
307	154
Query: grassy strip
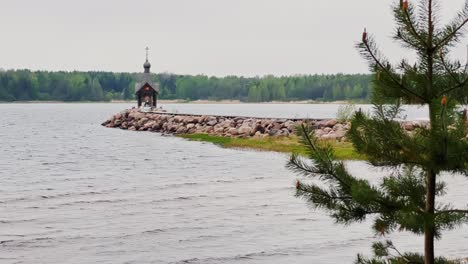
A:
343	150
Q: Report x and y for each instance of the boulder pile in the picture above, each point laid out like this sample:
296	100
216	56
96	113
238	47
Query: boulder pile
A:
229	126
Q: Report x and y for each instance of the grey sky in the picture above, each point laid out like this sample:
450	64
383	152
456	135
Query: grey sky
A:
213	37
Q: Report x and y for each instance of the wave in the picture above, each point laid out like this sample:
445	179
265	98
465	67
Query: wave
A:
26	242
248	256
94	202
58	163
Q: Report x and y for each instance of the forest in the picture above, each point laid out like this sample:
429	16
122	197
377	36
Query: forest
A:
26	85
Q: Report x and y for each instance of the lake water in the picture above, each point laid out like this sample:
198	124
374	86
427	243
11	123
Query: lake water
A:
72	191
283	110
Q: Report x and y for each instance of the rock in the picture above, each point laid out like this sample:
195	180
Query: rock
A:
408	126
421	124
273	132
238	119
227	123
319	124
292	126
244	130
340	133
266	122
233	131
277	126
190	120
181	130
259	128
138	115
207	129
178	119
338	126
163	118
117	123
226	126
289	123
156	126
319	132
247	123
212	122
174	128
198	119
218	129
202	119
331	123
258	134
331	136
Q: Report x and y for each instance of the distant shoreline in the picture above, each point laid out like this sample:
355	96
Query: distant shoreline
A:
180	102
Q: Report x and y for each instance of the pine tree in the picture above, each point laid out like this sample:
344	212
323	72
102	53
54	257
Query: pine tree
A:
406	200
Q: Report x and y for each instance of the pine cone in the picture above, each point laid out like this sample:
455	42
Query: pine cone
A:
364	36
443	102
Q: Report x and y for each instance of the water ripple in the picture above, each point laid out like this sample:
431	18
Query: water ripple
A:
77	192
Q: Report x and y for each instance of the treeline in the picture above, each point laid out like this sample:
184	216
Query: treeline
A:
22	85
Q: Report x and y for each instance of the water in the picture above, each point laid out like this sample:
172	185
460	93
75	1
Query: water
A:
72	191
284	110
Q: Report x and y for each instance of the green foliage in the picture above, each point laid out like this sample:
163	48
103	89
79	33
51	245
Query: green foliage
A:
105	86
345	112
407	199
343	150
397	201
65	86
387	253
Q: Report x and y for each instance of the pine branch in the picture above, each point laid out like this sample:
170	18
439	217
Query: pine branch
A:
411	25
402	256
447	69
402	37
382	67
465	82
319	155
316	151
447	38
295	163
455	76
385	143
303	188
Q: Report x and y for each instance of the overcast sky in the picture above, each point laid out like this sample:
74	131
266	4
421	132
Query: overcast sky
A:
212	37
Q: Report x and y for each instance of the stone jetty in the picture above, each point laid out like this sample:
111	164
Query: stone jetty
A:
229	126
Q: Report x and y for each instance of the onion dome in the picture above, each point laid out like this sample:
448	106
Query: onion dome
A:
147	65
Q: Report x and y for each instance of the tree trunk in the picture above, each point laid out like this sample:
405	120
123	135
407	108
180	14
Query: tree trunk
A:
429	229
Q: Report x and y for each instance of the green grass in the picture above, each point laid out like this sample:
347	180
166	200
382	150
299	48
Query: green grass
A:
343	150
